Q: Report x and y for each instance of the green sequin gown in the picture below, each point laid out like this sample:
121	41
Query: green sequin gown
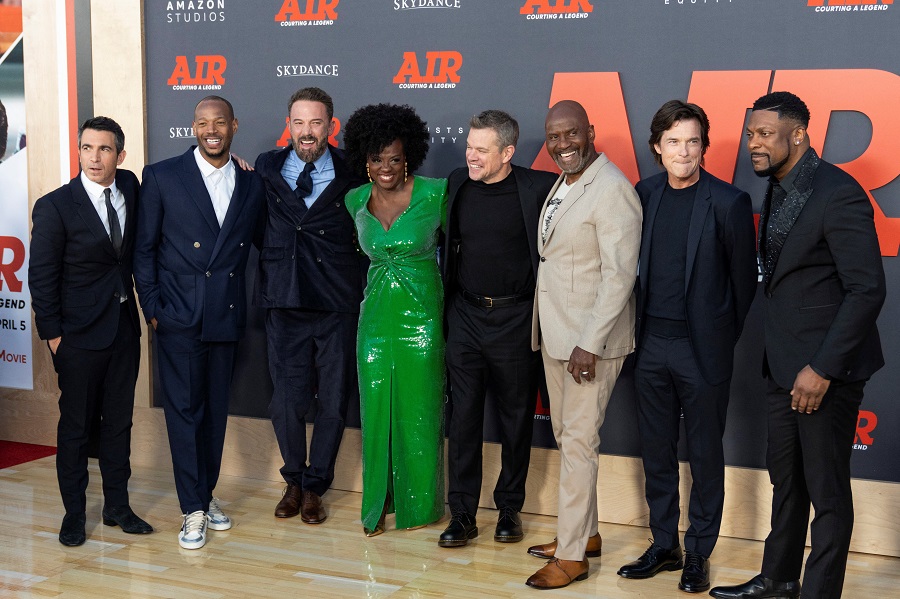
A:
400	350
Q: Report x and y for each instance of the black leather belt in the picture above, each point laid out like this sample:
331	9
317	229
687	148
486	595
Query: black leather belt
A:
496	301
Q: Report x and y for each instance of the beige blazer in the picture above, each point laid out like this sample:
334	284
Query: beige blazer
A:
585	282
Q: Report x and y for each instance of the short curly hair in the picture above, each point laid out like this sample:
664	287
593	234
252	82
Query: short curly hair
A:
786	104
372	128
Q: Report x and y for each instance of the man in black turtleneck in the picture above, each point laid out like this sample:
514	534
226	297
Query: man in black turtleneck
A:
696	281
489	265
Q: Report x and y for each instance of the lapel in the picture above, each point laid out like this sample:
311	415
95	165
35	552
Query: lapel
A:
649	220
699	211
529	202
235	208
192	179
130	212
575	193
88	214
796	199
454	183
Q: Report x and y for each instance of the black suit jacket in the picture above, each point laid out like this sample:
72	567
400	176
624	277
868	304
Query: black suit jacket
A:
720	270
308	257
826	288
533	187
189	271
74	274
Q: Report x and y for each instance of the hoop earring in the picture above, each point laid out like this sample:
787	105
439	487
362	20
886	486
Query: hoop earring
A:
368	174
404	172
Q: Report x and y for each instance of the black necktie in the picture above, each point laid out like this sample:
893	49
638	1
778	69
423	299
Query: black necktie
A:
115	229
304	181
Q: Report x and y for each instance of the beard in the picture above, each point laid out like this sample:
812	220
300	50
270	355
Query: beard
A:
772	168
313	154
584	157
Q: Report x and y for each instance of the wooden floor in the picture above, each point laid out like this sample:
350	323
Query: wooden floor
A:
266	557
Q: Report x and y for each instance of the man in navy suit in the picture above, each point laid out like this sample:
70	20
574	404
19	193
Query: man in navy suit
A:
697	278
197	221
310	280
83	299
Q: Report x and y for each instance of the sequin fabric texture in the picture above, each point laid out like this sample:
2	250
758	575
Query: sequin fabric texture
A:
400	349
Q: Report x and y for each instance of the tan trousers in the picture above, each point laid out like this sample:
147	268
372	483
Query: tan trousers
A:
576	413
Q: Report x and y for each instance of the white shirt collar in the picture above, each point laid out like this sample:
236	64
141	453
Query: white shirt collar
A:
95	190
206	169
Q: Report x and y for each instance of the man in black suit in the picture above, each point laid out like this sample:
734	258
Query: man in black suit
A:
197	220
83	299
489	268
696	281
310	279
824	287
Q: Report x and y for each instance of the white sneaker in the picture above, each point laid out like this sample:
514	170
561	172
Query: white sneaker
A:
193	531
216	517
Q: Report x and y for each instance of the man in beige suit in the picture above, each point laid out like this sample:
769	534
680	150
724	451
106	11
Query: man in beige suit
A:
590	234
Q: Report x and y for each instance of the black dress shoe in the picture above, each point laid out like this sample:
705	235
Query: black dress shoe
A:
122	516
71	533
459	531
654	560
759	586
695	576
509	526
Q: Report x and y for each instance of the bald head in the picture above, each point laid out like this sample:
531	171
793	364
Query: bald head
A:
570	138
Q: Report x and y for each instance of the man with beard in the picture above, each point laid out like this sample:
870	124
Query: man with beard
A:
489	268
310	280
696	281
590	234
195	225
824	288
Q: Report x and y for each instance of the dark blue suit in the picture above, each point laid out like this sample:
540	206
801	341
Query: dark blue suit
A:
310	279
77	279
691	374
190	277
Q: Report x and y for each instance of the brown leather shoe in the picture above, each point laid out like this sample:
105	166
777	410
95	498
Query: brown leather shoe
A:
289	506
311	509
548	551
558	573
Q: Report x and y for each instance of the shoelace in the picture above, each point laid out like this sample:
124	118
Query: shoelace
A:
652	550
693	560
193	523
215	510
508	512
461	515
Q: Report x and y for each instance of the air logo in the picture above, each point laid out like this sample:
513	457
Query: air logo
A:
322	12
12	257
441	70
555	7
209	73
726	97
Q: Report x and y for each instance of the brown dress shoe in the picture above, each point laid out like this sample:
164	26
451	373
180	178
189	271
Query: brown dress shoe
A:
311	510
548	551
289	506
558	573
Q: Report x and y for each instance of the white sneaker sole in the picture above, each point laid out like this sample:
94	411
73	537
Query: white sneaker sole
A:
218	525
192	544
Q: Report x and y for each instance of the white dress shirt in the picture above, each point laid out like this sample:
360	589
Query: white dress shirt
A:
98	199
219	183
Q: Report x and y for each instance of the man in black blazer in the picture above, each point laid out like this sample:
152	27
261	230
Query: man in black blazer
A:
489	267
83	298
310	280
697	278
197	220
824	287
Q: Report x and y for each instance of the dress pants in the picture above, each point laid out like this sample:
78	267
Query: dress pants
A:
312	354
808	458
576	413
93	381
669	383
195	377
489	350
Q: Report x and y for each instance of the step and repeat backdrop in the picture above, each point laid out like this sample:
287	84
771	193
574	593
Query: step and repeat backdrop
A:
621	59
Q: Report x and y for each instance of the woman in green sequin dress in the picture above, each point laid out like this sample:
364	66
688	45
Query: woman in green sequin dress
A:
400	345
